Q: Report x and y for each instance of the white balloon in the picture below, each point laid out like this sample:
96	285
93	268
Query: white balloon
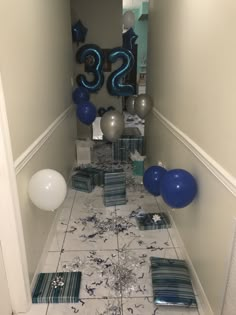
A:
128	19
47	189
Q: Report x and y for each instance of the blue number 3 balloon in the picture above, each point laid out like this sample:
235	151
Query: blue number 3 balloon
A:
93	57
114	82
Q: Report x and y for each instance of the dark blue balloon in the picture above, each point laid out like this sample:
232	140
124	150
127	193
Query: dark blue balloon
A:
129	39
86	112
79	32
79	95
101	111
178	188
152	178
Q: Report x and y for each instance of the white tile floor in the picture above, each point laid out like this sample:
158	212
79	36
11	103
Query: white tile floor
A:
77	243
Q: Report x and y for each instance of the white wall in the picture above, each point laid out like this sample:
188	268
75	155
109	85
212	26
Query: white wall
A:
36	63
191	78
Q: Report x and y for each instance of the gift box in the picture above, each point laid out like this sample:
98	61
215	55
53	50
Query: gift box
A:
171	283
62	287
125	145
114	188
96	174
83	181
147	221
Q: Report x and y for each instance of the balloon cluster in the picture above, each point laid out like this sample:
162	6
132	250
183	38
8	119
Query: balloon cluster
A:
177	187
140	105
85	111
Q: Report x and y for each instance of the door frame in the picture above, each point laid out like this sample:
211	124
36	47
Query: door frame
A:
11	229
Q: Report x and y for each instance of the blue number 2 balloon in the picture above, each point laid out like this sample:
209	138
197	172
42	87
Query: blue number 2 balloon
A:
114	82
93	57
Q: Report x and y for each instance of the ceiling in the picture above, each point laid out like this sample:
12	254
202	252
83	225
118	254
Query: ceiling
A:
132	3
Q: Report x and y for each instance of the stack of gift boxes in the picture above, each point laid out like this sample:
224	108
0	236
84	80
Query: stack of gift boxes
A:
114	183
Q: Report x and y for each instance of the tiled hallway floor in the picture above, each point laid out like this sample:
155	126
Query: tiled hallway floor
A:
86	241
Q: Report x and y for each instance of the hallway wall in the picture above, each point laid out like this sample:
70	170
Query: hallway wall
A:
191	78
36	63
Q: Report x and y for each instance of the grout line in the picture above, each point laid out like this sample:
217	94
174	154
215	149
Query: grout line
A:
47	309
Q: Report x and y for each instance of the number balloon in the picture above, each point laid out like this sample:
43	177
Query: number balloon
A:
93	58
114	82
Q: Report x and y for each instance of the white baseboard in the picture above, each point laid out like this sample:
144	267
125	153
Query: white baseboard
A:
46	248
203	303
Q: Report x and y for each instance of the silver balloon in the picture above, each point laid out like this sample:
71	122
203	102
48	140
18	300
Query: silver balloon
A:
143	105
112	125
130	104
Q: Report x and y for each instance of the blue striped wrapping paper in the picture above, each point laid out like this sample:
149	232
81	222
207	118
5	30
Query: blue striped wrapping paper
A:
82	181
145	221
122	148
114	188
172	283
44	292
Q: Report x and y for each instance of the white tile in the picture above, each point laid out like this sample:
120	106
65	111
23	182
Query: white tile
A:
134	238
174	237
96	268
58	239
37	309
51	262
65	215
90	307
86	235
68	202
138	262
141	306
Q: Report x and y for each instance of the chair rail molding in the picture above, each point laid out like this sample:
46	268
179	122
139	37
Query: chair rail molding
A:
27	155
215	168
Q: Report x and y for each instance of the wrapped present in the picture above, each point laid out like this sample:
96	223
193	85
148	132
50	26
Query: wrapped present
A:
98	175
83	181
95	173
171	283
114	188
124	146
152	221
62	287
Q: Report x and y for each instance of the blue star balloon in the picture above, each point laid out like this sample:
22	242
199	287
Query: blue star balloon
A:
129	39
79	32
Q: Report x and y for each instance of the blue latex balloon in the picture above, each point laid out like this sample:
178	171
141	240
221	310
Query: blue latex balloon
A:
178	188
79	95
79	32
152	178
86	112
129	39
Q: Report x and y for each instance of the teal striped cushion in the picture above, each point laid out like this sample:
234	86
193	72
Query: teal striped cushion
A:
172	283
45	292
